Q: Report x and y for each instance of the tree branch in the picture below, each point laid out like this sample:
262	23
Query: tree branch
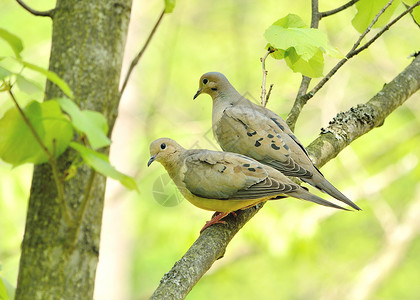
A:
298	104
348	126
343	130
47	13
301	101
209	247
304	84
315	16
264	99
337	10
140	54
386	27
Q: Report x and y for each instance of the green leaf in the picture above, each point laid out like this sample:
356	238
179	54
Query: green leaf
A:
14	41
7	291
51	76
26	85
368	9
91	123
98	121
303	47
18	145
3	292
416	14
100	163
169	6
291	21
4	73
311	68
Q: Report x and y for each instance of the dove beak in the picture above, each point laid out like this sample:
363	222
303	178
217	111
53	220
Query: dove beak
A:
152	159
197	94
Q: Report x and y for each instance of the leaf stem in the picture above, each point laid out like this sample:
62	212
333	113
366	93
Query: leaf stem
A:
47	13
337	10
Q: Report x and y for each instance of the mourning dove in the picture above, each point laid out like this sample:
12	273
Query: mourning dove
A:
243	127
223	181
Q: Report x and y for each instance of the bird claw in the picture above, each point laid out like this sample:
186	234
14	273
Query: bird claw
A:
216	219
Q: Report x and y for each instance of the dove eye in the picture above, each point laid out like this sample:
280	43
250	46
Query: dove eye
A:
205	80
163	146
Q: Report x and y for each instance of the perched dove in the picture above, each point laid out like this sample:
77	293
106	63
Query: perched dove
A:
243	127
224	181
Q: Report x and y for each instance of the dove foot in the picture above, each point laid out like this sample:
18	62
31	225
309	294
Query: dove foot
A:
217	217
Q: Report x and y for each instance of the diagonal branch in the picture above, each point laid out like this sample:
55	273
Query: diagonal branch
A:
47	13
348	126
337	10
140	54
344	129
386	27
304	84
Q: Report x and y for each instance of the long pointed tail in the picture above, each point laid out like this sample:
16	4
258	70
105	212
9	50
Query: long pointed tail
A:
305	195
325	186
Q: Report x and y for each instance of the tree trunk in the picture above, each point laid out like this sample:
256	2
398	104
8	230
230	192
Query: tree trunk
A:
59	261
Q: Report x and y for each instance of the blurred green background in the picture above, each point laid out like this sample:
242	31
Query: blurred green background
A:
291	249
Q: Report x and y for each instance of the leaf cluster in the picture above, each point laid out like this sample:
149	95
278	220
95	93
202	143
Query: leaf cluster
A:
41	131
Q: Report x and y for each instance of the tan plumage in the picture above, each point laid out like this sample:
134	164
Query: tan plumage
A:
224	181
243	127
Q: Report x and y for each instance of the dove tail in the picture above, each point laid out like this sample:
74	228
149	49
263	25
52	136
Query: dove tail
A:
326	187
305	195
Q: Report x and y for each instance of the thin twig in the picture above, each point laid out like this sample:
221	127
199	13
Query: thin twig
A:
47	13
51	159
263	91
355	50
387	26
337	10
361	37
139	55
269	93
301	101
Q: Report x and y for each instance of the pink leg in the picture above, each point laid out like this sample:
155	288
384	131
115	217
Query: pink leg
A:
215	219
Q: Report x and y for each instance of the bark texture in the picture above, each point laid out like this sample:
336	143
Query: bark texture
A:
59	261
344	129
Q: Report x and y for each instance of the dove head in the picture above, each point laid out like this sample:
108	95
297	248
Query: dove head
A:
214	84
165	151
